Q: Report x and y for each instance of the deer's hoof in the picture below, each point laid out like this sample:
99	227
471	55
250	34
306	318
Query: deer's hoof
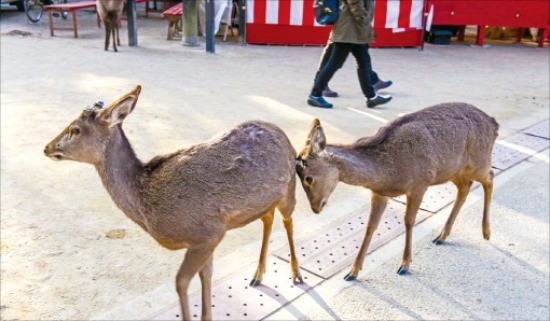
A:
298	280
487	236
255	282
350	277
438	241
403	271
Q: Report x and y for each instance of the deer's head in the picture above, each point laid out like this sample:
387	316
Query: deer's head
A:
86	138
319	176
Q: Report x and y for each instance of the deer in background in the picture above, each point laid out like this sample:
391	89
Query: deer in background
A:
446	142
190	198
110	12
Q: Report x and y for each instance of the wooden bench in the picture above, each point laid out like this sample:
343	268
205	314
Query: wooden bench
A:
72	8
173	15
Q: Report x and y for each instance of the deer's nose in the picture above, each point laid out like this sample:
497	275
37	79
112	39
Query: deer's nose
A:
47	149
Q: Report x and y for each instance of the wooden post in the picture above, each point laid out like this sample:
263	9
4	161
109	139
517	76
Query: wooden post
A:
189	23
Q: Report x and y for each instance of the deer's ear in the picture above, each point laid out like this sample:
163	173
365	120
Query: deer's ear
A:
314	124
316	138
117	112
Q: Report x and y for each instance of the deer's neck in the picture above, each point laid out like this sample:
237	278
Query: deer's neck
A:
120	172
354	168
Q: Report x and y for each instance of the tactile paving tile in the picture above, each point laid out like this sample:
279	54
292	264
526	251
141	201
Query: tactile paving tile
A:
516	148
541	129
234	299
435	198
326	258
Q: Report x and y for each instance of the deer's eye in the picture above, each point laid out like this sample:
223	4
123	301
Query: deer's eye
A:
73	131
309	180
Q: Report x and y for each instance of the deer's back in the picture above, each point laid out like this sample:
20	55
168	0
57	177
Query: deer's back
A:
239	174
434	144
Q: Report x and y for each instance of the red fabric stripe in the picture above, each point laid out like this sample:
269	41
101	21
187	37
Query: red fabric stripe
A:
309	15
284	12
404	20
380	11
259	11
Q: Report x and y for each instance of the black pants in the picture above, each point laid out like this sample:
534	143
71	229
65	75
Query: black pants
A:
326	55
338	55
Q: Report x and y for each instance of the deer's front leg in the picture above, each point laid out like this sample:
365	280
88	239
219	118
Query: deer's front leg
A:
195	260
378	205
296	274
206	282
267	219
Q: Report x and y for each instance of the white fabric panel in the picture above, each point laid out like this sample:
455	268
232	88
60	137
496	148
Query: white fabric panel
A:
272	12
249	11
416	14
392	15
296	13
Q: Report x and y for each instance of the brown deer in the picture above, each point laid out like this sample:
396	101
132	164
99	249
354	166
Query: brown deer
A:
446	142
110	11
190	198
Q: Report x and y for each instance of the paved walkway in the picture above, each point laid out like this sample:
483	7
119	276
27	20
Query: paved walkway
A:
59	260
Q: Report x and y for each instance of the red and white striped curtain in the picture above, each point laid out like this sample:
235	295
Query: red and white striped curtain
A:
390	14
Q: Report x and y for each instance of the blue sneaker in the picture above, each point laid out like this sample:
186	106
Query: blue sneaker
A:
382	85
329	93
318	102
378	100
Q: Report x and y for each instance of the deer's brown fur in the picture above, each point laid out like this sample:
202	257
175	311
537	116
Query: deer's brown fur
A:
110	12
446	142
190	198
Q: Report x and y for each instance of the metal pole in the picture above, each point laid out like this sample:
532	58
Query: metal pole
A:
242	21
424	20
189	17
209	32
132	23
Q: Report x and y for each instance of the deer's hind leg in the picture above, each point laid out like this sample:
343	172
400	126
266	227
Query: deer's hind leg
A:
286	207
107	24
267	219
463	184
488	193
413	204
114	28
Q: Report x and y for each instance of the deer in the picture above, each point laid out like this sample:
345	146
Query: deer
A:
110	11
445	142
188	199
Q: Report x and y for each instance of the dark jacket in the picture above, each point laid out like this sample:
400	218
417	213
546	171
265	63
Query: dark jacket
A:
354	23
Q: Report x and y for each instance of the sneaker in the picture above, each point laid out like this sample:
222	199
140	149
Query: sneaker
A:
382	85
329	93
318	102
378	100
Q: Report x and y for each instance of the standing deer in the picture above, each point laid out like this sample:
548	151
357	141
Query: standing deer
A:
446	142
190	198
110	12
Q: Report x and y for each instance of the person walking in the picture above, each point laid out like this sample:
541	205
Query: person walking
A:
350	34
377	83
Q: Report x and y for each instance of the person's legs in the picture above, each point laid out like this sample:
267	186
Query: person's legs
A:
364	68
322	62
336	60
338	55
364	73
324	58
374	77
